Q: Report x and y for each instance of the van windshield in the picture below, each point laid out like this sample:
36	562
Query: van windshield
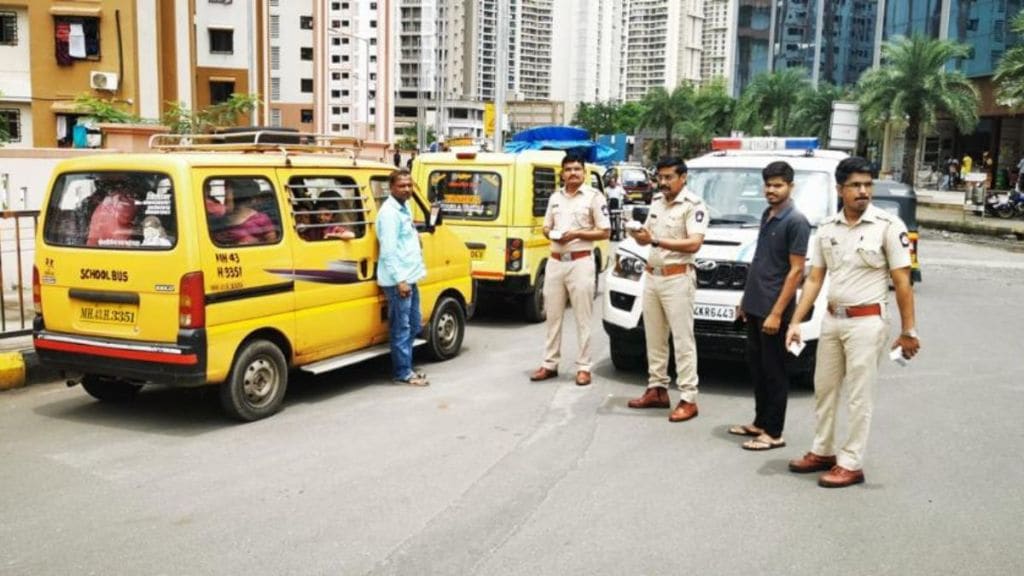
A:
736	195
466	195
118	210
633	177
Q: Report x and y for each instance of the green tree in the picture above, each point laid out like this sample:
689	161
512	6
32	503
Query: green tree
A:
1010	71
104	109
596	118
812	115
913	86
768	102
408	137
185	121
715	107
665	110
627	117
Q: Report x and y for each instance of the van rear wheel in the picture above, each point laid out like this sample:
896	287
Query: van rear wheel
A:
446	330
257	383
533	304
109	389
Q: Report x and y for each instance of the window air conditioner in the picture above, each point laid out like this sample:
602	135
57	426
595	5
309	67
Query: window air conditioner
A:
103	80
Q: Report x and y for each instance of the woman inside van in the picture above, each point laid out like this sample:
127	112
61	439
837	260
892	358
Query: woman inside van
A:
243	224
330	219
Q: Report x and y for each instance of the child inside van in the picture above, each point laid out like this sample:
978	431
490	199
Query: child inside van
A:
243	224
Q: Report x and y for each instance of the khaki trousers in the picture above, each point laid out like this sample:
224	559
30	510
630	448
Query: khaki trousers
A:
849	352
572	281
668	308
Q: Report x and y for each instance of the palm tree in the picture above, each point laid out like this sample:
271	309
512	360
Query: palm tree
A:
1010	71
769	100
914	86
812	115
666	110
715	107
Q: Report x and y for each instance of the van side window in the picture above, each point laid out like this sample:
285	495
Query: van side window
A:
466	195
327	208
242	211
545	183
118	210
380	189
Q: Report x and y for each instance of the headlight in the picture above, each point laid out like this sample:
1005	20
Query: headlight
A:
628	267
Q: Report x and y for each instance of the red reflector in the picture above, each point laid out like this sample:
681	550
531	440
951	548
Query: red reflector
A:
726	143
465	155
37	296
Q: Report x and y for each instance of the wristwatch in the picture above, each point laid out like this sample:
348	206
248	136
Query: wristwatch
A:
655	242
912	333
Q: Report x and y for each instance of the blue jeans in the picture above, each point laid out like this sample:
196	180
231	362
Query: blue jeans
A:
404	319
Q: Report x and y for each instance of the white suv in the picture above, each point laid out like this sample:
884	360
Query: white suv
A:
729	180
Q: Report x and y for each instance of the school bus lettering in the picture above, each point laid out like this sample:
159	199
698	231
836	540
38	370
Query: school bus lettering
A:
103	274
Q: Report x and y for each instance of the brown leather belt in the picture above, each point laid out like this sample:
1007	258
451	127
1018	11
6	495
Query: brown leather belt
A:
855	311
667	270
570	256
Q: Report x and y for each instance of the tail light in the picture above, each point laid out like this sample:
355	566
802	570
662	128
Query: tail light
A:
514	254
192	301
37	293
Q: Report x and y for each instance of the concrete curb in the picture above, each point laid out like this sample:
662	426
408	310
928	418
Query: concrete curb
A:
967	227
20	368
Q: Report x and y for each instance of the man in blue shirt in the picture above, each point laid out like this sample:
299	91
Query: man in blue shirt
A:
399	268
768	303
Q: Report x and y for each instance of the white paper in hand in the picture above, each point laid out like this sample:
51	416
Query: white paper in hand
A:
796	348
633	226
555	234
896	355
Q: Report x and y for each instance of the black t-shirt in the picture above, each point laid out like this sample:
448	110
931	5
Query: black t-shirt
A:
781	235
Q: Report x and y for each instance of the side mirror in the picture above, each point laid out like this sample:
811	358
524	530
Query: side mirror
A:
640	213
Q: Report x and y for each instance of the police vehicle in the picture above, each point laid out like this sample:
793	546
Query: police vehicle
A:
729	181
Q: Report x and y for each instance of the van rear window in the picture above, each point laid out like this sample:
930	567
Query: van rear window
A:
116	210
466	195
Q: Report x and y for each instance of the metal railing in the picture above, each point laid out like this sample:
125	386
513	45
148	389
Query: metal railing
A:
17	252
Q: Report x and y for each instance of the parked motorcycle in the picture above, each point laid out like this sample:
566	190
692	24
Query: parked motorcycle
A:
1005	205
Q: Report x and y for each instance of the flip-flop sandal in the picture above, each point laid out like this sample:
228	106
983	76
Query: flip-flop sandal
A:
763	442
745	430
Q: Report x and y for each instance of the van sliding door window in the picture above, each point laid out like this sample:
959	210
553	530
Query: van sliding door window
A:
242	211
114	210
466	195
545	182
327	208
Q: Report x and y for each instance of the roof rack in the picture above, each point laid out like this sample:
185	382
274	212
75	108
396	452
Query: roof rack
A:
284	141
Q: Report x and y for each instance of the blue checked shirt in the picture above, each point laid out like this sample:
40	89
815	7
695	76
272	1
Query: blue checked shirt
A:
401	258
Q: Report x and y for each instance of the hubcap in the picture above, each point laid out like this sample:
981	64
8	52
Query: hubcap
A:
260	382
447	330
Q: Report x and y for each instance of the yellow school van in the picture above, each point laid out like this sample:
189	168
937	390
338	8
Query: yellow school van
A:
227	264
496	203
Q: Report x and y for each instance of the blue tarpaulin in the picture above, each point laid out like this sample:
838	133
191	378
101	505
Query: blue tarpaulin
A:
567	138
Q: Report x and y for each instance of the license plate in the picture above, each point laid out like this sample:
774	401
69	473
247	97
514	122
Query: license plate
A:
476	253
116	314
718	312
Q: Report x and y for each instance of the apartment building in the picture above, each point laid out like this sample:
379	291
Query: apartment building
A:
719	40
586	52
662	45
530	53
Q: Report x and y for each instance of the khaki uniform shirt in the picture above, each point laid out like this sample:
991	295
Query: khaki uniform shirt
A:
685	216
859	257
584	210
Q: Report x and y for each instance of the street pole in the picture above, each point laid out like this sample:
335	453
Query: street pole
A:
501	82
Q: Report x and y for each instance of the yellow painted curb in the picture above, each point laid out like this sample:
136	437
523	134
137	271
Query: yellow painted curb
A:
12	370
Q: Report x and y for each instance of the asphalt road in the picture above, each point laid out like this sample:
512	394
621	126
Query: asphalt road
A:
486	473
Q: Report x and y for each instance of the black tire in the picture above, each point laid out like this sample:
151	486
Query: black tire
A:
533	304
256	385
109	389
626	358
1005	211
446	330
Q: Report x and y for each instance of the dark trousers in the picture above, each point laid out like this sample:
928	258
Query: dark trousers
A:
766	356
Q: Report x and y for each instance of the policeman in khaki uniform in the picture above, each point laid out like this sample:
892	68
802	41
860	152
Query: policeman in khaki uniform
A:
862	247
675	230
577	215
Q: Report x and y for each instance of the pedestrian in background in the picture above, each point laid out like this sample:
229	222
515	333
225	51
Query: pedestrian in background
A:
399	268
576	217
1020	175
861	248
616	199
674	229
768	303
397	158
988	166
408	163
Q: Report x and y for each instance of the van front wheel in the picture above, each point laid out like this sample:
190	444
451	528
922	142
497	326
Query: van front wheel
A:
109	389
446	330
255	388
533	304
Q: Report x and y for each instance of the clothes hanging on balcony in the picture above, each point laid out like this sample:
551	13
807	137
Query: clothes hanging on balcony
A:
62	37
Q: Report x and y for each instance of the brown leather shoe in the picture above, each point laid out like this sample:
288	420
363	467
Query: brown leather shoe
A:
683	412
811	462
583	378
543	373
654	397
839	477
